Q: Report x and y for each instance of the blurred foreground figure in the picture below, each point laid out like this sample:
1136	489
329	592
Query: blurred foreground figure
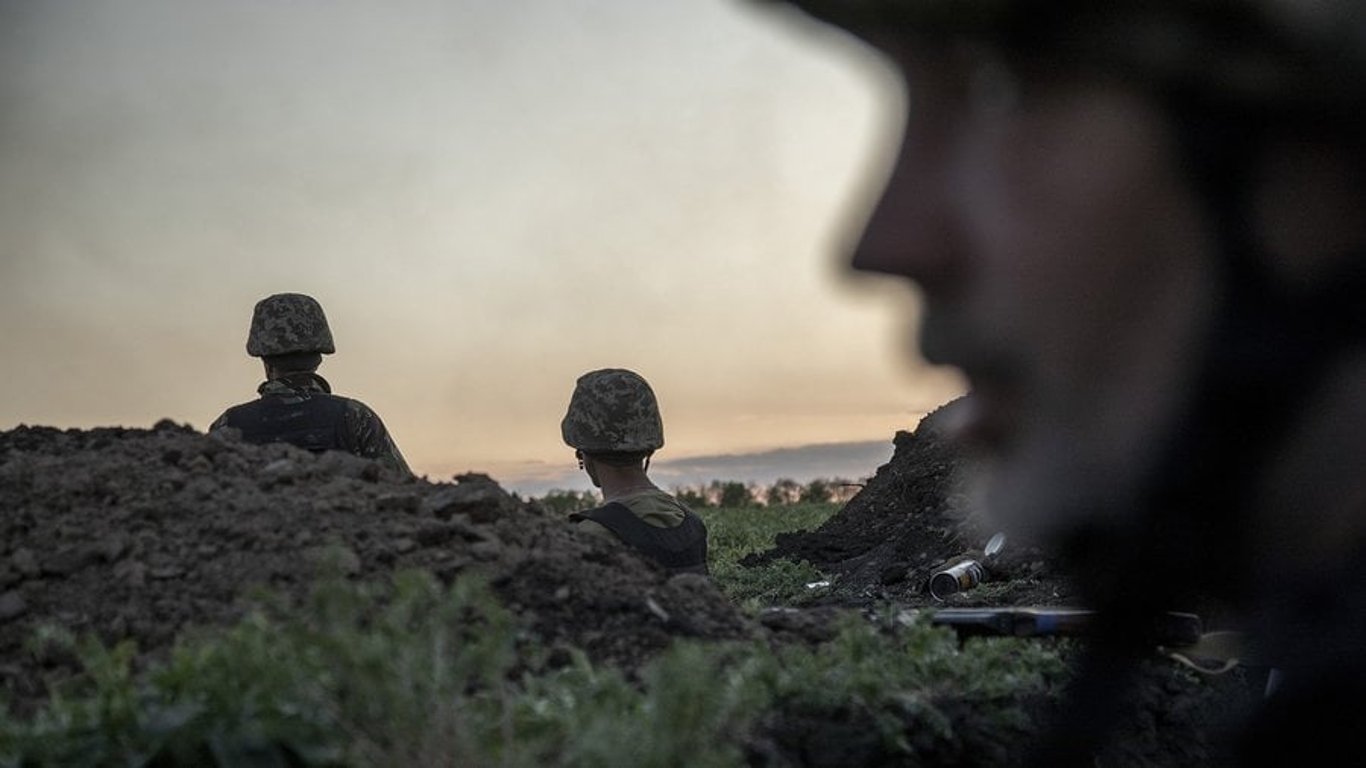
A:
1137	227
614	427
289	332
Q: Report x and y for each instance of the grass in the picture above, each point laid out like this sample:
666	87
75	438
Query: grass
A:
734	532
415	674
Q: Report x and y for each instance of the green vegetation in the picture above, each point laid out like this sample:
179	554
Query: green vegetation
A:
566	501
783	491
734	532
416	674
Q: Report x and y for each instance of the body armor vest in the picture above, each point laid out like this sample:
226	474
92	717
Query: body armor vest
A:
681	549
313	423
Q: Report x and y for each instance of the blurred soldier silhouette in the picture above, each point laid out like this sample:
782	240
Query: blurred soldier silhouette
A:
1137	227
614	427
289	332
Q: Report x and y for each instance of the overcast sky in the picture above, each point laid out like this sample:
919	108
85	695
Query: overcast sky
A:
489	198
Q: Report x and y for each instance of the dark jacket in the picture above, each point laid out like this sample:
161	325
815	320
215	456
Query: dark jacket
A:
301	410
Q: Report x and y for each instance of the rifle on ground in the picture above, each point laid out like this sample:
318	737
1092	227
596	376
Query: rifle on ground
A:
1172	629
1179	636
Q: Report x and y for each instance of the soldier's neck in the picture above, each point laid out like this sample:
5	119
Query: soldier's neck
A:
617	482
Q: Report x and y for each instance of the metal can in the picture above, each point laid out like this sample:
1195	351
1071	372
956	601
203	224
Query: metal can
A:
960	576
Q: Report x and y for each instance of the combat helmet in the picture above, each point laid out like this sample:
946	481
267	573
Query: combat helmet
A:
613	410
286	323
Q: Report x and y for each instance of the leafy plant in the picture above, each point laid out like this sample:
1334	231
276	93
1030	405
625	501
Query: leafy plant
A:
412	673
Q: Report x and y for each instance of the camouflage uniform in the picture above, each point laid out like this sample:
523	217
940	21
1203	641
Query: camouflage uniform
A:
298	407
358	429
614	411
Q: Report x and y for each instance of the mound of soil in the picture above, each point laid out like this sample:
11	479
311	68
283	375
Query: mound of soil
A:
912	519
142	534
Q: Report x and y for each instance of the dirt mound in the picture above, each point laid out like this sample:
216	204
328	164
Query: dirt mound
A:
914	518
144	534
911	519
140	534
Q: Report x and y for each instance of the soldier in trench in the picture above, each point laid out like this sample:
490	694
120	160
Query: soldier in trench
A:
613	425
1138	228
289	332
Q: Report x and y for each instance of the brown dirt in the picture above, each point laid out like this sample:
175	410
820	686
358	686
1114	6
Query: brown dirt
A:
143	534
914	518
911	519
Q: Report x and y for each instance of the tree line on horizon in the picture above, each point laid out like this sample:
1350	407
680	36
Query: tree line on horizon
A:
725	494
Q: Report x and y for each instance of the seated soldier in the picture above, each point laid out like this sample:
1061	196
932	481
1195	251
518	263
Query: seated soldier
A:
614	426
290	334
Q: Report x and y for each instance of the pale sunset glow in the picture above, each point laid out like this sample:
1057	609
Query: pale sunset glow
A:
487	198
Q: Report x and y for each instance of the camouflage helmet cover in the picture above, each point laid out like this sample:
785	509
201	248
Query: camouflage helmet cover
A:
286	323
1294	53
613	410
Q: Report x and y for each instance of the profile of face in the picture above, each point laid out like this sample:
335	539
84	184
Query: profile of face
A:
1063	263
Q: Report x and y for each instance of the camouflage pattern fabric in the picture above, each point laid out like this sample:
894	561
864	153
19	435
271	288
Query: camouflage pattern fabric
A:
361	432
286	323
613	410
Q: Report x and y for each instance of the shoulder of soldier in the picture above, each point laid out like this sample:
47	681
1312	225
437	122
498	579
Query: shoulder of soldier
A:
362	421
367	434
595	528
358	409
664	498
222	420
658	508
